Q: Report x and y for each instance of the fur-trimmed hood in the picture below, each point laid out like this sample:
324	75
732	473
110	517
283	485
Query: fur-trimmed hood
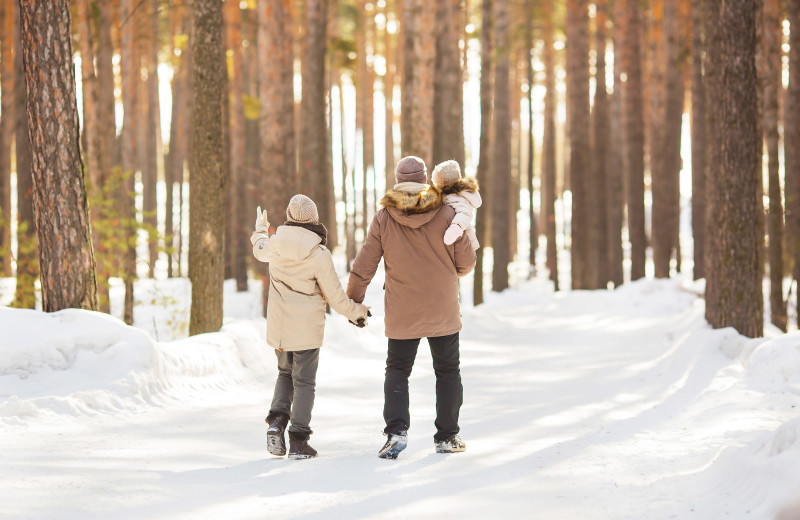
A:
413	209
468	184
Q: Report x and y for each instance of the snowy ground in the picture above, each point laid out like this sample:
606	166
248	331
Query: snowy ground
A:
578	405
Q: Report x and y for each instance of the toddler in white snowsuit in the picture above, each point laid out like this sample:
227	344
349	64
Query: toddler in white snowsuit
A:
461	194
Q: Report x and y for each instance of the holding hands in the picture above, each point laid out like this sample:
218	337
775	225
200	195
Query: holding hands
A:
362	322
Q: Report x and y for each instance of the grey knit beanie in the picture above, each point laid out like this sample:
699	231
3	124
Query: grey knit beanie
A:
303	210
446	173
411	169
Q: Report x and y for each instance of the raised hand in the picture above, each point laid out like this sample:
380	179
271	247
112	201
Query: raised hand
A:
262	223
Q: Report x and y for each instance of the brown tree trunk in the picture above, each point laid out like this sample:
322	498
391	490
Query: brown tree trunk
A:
240	224
533	231
419	140
501	157
388	93
549	146
656	134
152	144
698	122
448	138
406	53
6	131
772	87
206	210
364	112
484	169
130	66
734	294
579	125
600	156
27	262
62	222
631	58
313	158
791	144
615	191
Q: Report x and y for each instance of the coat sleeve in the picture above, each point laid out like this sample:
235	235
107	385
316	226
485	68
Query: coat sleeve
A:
464	256
366	262
262	246
332	291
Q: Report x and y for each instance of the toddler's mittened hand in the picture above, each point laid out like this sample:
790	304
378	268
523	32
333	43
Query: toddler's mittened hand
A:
452	234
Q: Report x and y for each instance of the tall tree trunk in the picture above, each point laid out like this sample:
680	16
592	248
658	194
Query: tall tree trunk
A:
791	144
481	227
206	210
772	87
533	232
698	122
6	131
240	222
600	155
615	191
388	93
448	139
62	222
579	125
173	158
276	91
364	112
501	158
406	55
549	147
734	295
27	263
656	134
631	57
313	157
419	141
152	145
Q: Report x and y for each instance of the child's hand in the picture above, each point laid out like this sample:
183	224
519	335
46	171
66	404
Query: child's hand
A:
262	224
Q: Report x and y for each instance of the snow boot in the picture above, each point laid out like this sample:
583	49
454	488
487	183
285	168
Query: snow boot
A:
395	443
452	445
276	442
298	446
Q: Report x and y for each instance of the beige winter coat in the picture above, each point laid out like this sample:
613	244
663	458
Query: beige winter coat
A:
302	280
422	272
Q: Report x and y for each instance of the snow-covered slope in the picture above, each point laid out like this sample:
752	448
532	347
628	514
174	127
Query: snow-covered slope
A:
593	405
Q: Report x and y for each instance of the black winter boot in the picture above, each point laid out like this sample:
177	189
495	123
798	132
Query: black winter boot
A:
276	442
298	446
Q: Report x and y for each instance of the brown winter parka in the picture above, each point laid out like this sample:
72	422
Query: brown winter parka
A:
421	286
302	280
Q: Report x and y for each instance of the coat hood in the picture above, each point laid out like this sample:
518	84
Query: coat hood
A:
295	243
468	184
413	209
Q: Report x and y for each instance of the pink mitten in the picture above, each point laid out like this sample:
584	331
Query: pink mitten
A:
452	234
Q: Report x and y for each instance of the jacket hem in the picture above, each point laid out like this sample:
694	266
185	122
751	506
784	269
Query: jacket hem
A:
420	335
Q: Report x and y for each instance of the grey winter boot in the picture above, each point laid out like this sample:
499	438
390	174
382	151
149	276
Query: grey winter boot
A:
395	443
298	446
276	442
452	445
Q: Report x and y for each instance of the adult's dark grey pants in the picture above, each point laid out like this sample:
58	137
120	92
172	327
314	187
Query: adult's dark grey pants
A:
294	388
449	392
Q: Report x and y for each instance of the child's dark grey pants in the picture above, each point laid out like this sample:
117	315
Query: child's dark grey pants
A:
294	388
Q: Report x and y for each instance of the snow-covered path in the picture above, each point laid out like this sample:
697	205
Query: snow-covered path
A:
590	405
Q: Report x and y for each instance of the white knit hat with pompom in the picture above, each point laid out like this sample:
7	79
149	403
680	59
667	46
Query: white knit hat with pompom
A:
446	173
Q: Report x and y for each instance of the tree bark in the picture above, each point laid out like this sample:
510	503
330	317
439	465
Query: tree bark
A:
448	138
388	93
206	209
698	122
615	191
549	146
579	125
152	143
631	58
423	62
734	294
364	112
501	158
6	131
533	231
27	263
60	206
482	228
600	157
791	144
656	134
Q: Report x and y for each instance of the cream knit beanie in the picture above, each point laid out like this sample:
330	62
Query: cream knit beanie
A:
446	173
303	210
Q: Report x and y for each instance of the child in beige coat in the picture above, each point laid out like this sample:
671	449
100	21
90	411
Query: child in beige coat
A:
460	193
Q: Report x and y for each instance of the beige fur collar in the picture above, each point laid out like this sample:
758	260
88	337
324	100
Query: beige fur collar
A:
428	199
469	184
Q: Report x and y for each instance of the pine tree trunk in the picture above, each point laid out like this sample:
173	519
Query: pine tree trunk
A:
448	141
698	122
501	157
388	94
533	232
483	173
422	60
239	222
206	209
27	262
549	146
406	53
791	144
364	111
734	294
631	57
615	191
62	222
579	125
313	158
6	131
772	87
600	156
152	145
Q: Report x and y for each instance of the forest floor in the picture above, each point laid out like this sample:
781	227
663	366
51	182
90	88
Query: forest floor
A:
619	404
